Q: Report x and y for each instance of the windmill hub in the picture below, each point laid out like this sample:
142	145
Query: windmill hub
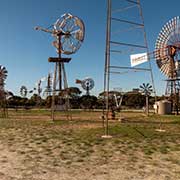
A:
173	50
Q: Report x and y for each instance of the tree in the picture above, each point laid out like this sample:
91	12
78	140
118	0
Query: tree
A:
133	100
74	92
48	102
74	95
88	102
35	100
15	101
112	98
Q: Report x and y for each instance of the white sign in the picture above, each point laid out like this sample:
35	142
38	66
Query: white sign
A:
138	59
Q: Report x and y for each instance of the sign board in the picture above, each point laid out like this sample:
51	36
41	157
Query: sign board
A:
137	59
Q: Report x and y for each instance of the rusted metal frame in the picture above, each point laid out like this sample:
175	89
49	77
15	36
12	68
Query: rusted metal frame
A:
127	44
131	68
127	29
132	1
123	9
151	55
128	22
107	68
116	51
117	72
57	69
173	84
54	92
146	44
60	63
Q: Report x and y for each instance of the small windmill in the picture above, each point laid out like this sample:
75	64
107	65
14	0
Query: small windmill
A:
48	89
87	84
146	89
38	87
23	91
3	76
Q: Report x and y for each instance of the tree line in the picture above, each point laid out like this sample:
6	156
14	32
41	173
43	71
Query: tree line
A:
79	101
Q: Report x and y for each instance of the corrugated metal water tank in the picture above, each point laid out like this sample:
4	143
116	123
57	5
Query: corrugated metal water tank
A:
163	107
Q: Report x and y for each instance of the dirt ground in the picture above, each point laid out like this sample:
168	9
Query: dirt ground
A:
35	148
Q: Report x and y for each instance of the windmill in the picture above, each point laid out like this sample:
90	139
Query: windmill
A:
167	54
68	32
45	89
3	76
39	87
23	91
87	84
146	89
48	89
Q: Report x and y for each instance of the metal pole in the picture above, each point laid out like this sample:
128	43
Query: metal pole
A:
145	39
57	69
107	65
60	63
174	99
54	92
147	105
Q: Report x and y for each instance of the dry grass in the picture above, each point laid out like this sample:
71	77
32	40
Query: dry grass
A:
35	148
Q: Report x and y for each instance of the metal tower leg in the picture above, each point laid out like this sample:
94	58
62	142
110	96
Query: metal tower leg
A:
54	92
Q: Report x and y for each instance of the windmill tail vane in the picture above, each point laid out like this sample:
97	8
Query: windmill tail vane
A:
78	81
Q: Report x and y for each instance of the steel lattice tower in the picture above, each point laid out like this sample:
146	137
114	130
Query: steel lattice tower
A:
129	42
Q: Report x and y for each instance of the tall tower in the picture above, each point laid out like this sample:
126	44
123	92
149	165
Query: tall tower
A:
125	35
68	32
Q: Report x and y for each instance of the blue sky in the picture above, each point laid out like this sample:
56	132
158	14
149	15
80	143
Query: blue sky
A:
24	51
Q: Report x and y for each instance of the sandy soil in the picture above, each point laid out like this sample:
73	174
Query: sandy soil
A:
36	150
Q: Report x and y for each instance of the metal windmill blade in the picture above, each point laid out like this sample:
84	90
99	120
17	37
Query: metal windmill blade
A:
3	72
73	31
146	89
169	38
87	83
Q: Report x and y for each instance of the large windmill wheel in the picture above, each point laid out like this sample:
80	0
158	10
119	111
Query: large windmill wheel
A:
72	33
167	48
